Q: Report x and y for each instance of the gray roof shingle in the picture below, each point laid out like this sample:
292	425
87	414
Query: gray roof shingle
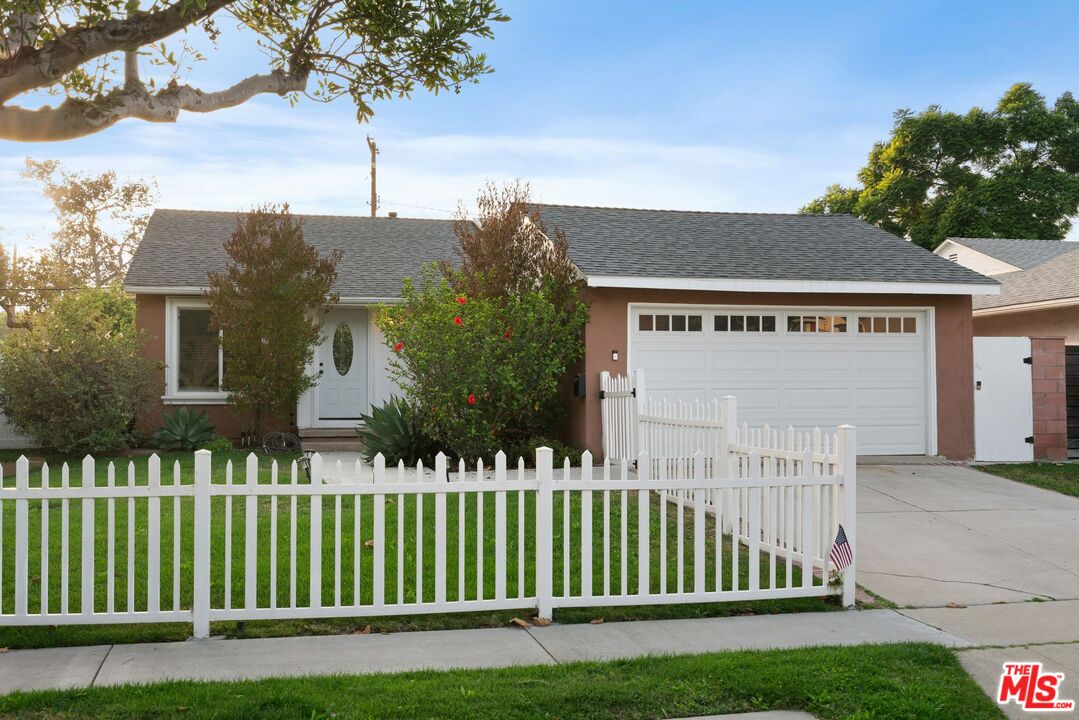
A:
180	247
722	245
1056	279
1023	254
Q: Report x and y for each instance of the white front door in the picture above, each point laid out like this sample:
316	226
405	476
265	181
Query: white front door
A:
341	393
1003	411
805	367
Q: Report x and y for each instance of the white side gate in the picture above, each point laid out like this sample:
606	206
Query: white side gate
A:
621	399
1003	413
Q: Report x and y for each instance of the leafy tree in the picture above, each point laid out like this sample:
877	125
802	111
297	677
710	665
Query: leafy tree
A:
269	306
75	380
1009	172
481	350
101	220
366	49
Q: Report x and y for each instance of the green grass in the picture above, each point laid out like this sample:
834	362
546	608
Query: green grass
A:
920	682
1059	477
396	508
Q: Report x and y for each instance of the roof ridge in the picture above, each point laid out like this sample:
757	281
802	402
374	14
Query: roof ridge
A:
1026	240
691	212
305	215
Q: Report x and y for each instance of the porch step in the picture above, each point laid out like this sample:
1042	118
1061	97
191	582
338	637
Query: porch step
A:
333	445
342	433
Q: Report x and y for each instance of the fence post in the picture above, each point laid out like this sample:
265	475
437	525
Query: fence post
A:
636	436
729	435
544	532
201	592
848	463
604	413
22	544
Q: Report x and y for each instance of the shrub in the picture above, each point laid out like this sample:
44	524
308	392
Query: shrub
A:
185	429
481	373
75	379
218	444
392	431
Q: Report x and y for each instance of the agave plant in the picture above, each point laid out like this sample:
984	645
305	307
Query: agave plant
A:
390	430
184	429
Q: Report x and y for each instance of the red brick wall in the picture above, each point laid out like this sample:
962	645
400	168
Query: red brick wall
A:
1050	399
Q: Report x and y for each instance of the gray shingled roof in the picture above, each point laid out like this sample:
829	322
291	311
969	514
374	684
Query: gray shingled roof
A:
671	243
1054	280
181	246
1023	254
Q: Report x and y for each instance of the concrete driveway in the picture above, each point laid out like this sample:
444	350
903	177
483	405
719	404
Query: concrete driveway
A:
989	560
937	534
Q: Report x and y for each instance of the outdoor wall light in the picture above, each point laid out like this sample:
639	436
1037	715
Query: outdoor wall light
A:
614	356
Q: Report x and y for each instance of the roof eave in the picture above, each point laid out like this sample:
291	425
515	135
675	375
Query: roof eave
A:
793	286
178	290
1027	307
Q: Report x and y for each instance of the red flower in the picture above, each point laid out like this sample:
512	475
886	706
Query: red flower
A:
461	300
398	346
457	320
471	399
508	332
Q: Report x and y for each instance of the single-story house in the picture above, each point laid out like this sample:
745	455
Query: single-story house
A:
1039	298
807	319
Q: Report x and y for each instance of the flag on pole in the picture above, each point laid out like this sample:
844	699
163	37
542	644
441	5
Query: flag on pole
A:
841	555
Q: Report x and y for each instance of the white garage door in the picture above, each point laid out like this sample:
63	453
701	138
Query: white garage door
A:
794	366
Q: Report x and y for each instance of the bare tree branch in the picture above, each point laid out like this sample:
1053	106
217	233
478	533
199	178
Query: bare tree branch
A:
29	67
75	119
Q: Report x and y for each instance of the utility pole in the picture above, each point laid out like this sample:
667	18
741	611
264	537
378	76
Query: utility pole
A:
374	191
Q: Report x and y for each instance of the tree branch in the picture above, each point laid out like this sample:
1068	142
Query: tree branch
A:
28	68
75	118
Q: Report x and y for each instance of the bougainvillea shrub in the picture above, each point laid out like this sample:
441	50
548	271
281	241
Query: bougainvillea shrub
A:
482	373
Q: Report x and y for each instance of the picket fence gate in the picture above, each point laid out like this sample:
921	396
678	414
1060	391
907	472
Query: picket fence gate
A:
404	541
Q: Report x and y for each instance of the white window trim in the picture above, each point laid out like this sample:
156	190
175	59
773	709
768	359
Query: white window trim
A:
173	395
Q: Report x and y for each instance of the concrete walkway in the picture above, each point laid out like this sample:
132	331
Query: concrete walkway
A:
62	668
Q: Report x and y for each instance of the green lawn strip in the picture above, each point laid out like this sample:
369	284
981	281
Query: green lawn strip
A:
338	519
869	681
1060	477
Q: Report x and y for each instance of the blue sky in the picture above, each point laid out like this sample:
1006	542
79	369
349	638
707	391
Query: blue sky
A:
687	105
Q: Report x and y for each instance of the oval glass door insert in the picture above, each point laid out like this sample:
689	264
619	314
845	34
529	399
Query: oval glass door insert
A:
342	349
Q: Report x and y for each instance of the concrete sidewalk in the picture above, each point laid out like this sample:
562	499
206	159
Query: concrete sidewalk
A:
105	665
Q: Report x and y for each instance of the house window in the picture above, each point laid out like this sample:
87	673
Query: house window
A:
674	323
194	355
894	325
816	323
744	323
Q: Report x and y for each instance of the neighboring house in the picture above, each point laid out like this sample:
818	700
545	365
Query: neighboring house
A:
1039	298
807	319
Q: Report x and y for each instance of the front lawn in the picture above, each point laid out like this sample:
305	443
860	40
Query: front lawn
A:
1059	477
400	568
869	681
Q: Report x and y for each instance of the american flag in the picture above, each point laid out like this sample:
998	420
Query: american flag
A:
841	555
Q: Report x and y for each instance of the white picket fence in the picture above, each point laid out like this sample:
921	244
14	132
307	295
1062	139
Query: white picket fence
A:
402	541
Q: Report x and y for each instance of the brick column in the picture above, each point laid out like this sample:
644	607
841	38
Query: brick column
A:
1050	399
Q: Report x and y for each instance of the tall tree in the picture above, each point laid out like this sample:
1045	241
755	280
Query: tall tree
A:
366	49
100	221
269	306
1008	172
